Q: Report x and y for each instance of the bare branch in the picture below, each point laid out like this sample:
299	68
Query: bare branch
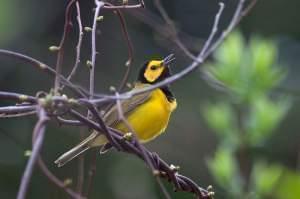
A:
91	174
80	175
213	32
38	134
130	50
17	111
99	5
160	27
93	110
79	42
234	21
141	4
173	30
17	97
44	67
57	181
60	54
17	114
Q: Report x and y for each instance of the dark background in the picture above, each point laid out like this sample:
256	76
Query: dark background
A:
32	26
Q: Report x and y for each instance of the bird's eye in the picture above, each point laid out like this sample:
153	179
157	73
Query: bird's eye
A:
153	67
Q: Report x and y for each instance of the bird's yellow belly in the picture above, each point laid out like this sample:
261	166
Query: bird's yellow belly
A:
149	119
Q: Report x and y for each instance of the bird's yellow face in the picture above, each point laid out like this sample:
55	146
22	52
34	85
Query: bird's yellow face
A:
154	70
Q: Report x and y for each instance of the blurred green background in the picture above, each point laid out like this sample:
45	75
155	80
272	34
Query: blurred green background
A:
31	27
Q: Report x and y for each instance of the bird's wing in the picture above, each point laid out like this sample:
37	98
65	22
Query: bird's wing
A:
111	118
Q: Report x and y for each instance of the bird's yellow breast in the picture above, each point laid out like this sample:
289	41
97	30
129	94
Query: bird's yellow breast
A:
151	118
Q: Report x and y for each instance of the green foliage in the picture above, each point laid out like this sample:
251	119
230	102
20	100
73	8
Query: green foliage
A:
223	167
289	187
224	173
245	71
247	117
265	115
265	178
220	117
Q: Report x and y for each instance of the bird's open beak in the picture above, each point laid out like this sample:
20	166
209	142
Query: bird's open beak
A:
168	59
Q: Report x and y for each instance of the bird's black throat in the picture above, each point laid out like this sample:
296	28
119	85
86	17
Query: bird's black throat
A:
168	93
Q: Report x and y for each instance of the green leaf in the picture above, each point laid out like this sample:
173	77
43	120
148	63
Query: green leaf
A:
264	54
264	117
265	178
266	74
289	187
246	71
231	52
225	171
219	116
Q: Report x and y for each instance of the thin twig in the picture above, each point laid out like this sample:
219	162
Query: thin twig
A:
63	121
93	110
57	181
80	175
248	9
60	54
172	29
17	97
44	67
129	61
129	47
99	4
234	21
160	27
79	43
113	7
213	32
17	109
80	178
17	114
91	174
38	133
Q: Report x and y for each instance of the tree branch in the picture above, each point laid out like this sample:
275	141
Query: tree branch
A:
60	54
79	43
38	134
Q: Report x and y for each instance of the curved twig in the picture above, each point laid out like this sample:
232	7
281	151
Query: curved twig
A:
60	54
57	181
79	42
44	67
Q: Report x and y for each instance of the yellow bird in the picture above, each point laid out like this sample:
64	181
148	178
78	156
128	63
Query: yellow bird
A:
148	113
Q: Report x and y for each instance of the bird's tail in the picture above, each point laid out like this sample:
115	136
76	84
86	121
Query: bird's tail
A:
75	151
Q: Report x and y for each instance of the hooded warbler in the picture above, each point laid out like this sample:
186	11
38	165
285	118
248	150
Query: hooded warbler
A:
147	113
